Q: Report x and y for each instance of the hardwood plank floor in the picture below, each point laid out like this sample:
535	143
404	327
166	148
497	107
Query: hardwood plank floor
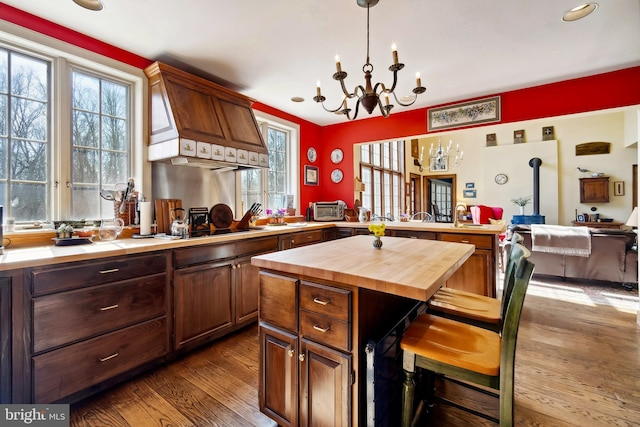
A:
576	365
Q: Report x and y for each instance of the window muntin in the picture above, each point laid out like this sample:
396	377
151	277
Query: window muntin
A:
100	134
381	171
25	93
270	187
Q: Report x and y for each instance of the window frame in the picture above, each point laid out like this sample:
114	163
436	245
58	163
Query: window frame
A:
292	161
63	57
374	197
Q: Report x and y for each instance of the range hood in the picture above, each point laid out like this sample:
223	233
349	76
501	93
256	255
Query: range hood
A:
195	122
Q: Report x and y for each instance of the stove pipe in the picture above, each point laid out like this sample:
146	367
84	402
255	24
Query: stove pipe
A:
535	164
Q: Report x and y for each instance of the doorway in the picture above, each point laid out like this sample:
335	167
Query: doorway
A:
440	196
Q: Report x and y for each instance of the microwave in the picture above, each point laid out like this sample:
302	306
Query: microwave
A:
328	211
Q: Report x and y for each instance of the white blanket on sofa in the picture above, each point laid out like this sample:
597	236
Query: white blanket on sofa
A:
559	239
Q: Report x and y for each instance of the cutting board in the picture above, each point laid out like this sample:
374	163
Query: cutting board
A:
164	213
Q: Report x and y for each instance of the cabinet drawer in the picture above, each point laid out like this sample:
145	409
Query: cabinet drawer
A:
306	237
278	301
327	300
480	241
411	234
325	330
82	274
62	372
217	252
71	316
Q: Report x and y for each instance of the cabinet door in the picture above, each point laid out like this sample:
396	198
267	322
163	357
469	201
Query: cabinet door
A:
278	392
203	303
325	386
5	340
247	287
475	275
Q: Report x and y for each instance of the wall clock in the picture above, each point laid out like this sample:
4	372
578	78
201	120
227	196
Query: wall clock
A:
501	179
337	155
312	155
336	176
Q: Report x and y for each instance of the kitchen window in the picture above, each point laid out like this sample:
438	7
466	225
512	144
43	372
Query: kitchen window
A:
270	187
381	171
67	129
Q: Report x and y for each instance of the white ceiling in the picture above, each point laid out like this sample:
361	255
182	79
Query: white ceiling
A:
272	50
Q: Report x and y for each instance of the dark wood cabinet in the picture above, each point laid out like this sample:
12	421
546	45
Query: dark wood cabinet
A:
309	325
5	340
594	190
215	289
94	321
202	303
300	238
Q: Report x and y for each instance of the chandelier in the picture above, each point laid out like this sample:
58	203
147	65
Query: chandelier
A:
369	96
439	157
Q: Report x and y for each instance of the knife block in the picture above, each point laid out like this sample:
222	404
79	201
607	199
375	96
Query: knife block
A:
243	224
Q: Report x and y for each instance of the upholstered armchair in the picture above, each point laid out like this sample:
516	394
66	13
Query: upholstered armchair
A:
482	214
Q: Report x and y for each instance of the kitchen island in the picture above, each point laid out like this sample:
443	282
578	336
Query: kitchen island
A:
331	316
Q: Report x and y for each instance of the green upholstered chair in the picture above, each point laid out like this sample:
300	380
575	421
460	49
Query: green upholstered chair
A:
468	307
465	352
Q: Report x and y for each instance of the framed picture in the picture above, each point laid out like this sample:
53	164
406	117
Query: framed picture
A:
518	136
492	141
618	188
414	148
581	218
439	165
547	133
310	175
470	185
464	114
469	194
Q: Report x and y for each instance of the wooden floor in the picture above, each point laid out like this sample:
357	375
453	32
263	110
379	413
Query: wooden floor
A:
576	365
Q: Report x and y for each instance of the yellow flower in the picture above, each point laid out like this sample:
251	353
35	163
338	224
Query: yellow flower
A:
377	229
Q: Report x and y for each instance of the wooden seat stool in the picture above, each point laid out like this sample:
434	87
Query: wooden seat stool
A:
457	350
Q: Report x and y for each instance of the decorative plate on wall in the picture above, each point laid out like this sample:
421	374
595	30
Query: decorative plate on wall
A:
312	155
337	155
336	175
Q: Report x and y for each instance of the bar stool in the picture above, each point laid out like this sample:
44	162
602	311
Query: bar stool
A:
474	309
465	352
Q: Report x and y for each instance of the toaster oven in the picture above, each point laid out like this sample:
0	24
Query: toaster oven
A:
328	211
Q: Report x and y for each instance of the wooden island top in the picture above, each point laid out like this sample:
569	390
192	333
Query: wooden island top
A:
410	268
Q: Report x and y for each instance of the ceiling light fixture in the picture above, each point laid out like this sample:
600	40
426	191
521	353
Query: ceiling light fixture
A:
90	4
579	12
369	96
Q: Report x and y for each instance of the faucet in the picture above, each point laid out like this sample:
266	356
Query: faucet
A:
382	218
459	207
427	216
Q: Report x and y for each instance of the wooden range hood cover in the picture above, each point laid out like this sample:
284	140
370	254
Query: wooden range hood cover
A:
185	107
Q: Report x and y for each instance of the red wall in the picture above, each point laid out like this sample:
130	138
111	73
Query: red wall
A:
608	90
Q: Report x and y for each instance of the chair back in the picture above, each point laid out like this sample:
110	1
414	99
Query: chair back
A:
509	276
522	272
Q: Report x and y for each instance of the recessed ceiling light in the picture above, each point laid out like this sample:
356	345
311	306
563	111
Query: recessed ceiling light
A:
579	12
90	4
297	99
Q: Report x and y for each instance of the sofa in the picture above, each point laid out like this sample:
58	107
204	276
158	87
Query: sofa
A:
613	257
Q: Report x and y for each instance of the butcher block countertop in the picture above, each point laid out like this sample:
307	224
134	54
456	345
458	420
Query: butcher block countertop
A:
46	253
410	268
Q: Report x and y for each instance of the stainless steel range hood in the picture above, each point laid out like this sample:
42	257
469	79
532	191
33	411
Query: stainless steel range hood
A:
195	122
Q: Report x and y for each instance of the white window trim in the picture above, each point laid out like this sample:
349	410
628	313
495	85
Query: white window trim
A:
293	162
64	56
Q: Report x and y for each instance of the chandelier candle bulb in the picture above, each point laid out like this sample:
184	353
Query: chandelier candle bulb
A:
318	88
394	50
418	80
338	65
386	99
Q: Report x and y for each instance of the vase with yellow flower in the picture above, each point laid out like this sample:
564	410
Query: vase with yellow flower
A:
378	231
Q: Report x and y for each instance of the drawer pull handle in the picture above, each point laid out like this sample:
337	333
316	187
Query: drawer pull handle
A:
301	357
104	359
113	270
320	301
323	330
290	353
111	307
464	241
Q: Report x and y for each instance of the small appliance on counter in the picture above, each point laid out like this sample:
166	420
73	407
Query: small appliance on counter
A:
328	211
199	220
